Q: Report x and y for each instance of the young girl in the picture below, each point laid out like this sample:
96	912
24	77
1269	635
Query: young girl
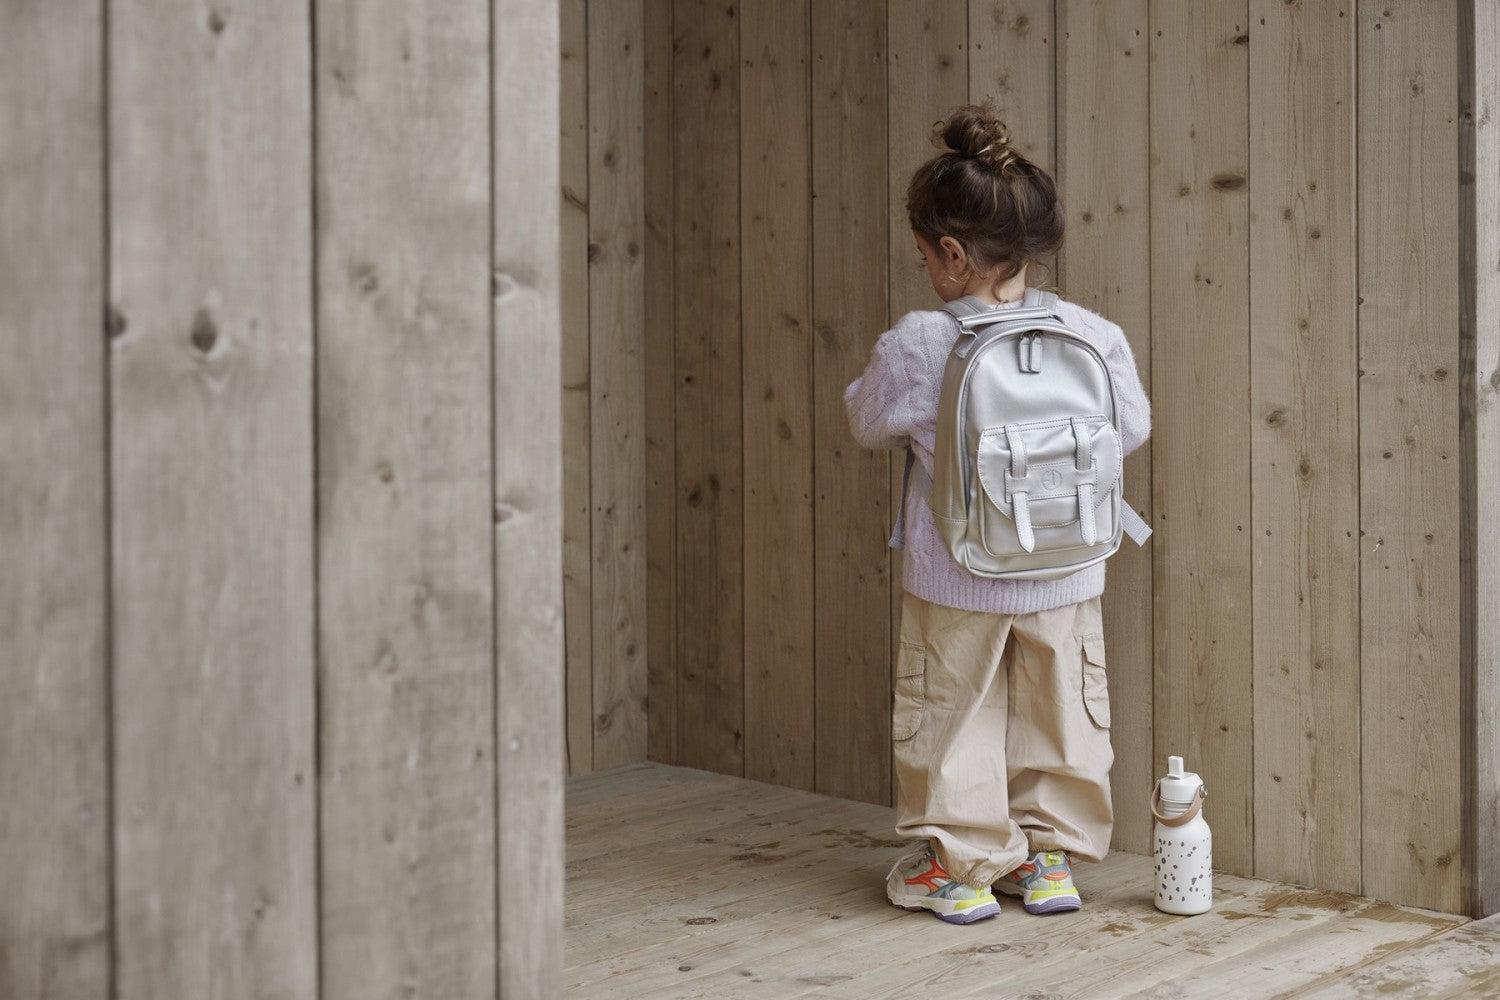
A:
1001	715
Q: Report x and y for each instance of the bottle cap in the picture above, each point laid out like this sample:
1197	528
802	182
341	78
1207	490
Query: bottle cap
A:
1179	786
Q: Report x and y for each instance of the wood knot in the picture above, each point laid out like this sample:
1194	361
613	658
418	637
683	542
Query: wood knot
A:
115	324
217	22
1227	182
204	333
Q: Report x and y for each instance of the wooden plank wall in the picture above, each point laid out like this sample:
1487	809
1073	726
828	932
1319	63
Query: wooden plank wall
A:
55	870
1479	221
281	706
1265	195
608	362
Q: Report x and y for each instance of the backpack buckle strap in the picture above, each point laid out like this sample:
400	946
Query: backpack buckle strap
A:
1017	454
1134	526
1086	513
1083	445
1083	460
1020	503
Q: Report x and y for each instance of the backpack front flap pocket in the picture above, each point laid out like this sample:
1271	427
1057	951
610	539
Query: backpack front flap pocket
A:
1045	485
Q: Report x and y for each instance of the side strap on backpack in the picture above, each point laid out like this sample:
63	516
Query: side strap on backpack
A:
924	485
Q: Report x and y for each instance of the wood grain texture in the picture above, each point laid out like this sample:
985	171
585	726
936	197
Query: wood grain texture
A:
659	309
404	524
1103	176
775	223
1479	300
617	384
1409	453
1201	371
573	240
1463	963
1012	62
1305	444
529	741
730	918
54	725
852	486
212	505
710	536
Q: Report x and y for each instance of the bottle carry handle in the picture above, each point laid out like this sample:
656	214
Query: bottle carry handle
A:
1193	809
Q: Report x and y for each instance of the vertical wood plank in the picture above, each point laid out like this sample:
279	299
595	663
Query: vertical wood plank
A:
528	498
927	77
1305	443
617	384
54	870
1012	62
775	219
212	505
406	630
1479	221
1409	452
705	114
1200	367
1103	175
850	295
573	165
661	381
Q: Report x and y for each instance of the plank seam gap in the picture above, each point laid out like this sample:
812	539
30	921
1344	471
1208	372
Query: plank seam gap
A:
1150	361
588	393
812	384
316	778
498	911
1250	411
739	275
676	601
112	861
1359	465
1468	435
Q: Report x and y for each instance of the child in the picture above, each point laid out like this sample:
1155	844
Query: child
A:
1001	713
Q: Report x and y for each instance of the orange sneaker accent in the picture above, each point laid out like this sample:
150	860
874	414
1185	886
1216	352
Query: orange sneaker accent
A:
930	877
1055	876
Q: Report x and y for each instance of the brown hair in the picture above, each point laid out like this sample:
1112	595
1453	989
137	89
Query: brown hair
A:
998	205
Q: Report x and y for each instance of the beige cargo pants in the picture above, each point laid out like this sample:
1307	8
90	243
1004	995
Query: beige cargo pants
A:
1001	731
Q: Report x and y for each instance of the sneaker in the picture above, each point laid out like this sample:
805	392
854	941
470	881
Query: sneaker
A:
1044	882
918	882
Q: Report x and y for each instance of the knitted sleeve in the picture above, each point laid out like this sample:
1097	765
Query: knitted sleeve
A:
1134	406
887	401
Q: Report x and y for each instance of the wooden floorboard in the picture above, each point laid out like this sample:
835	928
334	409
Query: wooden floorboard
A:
684	884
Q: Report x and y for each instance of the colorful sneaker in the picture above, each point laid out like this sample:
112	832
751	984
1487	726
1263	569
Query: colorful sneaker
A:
918	882
1044	882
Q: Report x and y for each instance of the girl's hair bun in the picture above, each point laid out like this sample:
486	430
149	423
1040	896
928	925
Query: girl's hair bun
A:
974	132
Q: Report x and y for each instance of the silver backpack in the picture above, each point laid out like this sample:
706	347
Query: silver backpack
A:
1028	466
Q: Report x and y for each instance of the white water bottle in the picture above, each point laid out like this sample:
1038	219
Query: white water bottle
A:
1184	845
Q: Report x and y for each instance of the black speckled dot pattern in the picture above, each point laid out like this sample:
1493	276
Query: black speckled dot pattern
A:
1184	878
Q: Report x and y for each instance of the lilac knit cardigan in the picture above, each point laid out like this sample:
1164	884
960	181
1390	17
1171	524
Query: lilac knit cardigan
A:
895	403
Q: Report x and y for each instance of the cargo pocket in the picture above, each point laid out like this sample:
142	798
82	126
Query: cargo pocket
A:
1095	681
909	694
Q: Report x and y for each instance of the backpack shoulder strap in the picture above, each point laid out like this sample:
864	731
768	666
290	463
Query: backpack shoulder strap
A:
966	306
1036	298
